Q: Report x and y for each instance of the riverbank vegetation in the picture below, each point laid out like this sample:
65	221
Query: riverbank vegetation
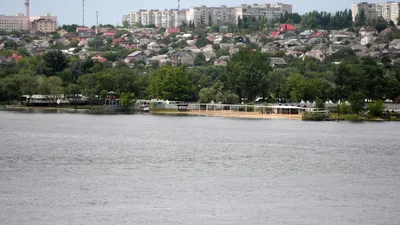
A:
247	76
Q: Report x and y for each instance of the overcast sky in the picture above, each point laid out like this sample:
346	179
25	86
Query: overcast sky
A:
110	12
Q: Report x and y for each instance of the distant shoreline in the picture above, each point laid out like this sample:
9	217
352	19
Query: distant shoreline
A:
203	113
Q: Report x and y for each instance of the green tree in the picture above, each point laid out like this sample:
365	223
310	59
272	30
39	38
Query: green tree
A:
319	103
247	74
171	84
19	84
73	91
357	101
110	56
297	84
127	100
51	87
54	61
125	24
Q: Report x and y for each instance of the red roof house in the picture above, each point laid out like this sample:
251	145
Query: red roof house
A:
98	58
275	33
287	28
14	57
173	31
109	34
316	34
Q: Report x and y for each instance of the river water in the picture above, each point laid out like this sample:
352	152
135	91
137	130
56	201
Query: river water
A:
70	169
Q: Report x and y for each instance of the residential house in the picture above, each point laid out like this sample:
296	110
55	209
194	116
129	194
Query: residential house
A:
316	53
144	41
147	53
294	52
64	41
207	48
233	50
226	46
62	32
83	29
218	39
109	35
270	48
3	59
159	60
319	34
191	42
395	44
186	36
209	55
276	35
335	48
182	58
222	61
41	43
368	31
360	50
367	40
99	58
277	62
287	28
171	31
193	49
83	35
136	56
14	57
153	46
305	34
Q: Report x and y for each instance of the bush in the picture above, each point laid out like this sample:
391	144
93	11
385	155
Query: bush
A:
376	108
310	116
343	108
352	118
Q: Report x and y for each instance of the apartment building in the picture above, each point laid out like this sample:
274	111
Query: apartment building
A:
19	22
388	11
207	15
269	11
165	18
369	10
135	17
44	25
24	22
212	15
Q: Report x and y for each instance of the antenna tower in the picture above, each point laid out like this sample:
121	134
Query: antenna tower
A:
83	13
179	4
97	17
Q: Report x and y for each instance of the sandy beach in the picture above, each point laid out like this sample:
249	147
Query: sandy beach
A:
233	114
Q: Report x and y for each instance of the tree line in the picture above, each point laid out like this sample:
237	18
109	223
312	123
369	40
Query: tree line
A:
247	76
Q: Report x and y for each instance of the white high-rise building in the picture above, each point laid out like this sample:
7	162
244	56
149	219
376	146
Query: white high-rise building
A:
212	15
207	15
388	11
269	11
369	10
165	18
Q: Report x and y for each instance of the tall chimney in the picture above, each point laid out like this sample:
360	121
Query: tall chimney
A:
27	8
